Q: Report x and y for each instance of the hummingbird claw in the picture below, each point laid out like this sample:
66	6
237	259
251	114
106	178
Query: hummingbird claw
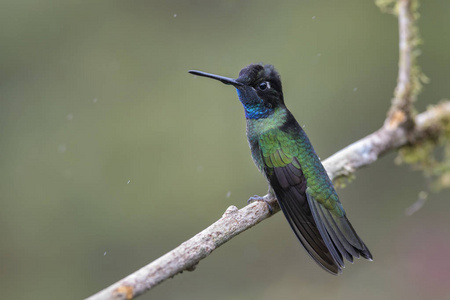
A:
259	198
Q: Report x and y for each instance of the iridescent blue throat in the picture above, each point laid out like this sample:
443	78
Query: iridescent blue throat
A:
255	108
256	111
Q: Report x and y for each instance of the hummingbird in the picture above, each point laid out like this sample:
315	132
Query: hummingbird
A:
282	151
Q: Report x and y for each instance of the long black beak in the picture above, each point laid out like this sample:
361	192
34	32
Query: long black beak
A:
225	80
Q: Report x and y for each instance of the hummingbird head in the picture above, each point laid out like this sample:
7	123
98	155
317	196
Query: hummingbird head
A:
258	87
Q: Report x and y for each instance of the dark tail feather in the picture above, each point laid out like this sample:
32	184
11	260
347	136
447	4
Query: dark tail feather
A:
341	231
327	239
319	247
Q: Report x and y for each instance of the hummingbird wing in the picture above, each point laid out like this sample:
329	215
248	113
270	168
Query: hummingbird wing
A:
308	200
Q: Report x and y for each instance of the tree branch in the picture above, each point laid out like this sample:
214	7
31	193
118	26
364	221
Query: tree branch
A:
400	128
400	112
429	125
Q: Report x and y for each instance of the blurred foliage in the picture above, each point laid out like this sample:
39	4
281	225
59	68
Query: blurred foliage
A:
112	154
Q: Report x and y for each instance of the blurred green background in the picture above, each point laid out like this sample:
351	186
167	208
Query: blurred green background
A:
112	154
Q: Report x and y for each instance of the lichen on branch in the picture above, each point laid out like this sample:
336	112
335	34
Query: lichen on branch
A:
431	151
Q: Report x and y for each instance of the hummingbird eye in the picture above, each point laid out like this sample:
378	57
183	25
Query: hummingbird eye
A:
264	85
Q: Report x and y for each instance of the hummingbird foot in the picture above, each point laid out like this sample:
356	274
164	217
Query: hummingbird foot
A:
259	198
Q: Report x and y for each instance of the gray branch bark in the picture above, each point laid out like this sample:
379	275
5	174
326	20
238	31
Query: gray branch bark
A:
402	104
